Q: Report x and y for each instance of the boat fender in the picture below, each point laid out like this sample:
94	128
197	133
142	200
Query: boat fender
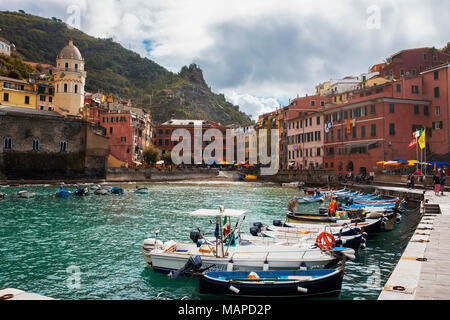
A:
265	266
358	230
362	240
230	266
364	235
277	223
234	289
302	290
253	275
398	219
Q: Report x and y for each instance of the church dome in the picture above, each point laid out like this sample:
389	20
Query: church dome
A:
70	52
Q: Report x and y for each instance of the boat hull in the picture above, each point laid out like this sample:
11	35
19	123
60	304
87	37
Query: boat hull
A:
328	285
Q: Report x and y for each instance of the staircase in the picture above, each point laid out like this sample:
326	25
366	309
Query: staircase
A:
432	209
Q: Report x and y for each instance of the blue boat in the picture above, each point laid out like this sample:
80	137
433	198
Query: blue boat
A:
274	284
62	193
116	190
81	191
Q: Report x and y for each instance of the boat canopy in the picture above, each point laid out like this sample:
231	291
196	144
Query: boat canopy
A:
218	213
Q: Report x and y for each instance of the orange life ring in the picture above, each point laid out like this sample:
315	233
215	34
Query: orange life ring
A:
325	240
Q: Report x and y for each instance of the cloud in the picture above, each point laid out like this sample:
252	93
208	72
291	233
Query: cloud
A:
259	51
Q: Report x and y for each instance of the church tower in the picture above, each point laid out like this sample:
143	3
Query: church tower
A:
69	79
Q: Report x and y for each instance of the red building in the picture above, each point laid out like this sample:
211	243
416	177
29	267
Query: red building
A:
378	122
412	62
163	136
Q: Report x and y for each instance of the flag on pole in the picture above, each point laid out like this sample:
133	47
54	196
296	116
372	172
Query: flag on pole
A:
412	143
421	140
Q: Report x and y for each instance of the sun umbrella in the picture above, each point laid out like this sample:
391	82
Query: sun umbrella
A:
401	160
381	162
390	163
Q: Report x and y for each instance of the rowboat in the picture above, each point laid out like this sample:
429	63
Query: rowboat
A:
116	190
26	194
2	195
274	284
141	190
102	191
230	255
310	199
62	193
81	192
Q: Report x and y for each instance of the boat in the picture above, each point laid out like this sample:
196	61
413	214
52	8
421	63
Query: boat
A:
102	191
141	190
26	194
81	191
116	190
273	284
2	195
251	177
62	193
310	199
349	216
229	255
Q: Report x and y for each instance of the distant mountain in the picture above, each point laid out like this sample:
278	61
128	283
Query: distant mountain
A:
115	70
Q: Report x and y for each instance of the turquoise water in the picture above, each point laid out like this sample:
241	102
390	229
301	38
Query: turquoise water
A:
44	239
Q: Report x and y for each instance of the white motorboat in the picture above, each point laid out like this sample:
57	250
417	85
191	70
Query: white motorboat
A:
141	190
26	194
223	254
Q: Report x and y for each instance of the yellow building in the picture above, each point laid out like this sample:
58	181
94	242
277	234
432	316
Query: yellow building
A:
323	88
375	81
17	93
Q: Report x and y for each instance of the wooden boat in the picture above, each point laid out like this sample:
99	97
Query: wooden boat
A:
81	192
348	215
116	190
274	284
26	194
226	255
310	199
141	190
62	193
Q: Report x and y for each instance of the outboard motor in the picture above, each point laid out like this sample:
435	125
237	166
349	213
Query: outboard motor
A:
258	225
195	235
193	264
277	223
254	231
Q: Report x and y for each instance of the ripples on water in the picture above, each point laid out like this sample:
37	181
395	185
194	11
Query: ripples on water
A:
102	236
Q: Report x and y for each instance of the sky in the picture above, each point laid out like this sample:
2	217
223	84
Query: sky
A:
258	53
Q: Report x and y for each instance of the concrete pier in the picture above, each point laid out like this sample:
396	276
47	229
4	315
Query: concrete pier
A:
422	271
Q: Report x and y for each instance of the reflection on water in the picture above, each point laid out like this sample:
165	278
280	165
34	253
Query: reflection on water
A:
102	236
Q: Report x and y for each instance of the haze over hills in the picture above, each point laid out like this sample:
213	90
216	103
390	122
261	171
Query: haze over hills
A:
112	69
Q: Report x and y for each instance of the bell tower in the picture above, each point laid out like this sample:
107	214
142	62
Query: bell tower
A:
69	79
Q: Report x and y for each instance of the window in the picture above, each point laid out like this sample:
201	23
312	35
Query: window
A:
318	152
50	99
402	72
35	144
65	87
63	146
167	142
392	129
437	125
345	114
424	56
436	92
76	89
5	96
339	134
391	108
425	110
313	103
322	103
413	72
50	90
110	130
76	66
167	131
50	108
436	75
123	139
438	110
354	132
7	142
42	98
27	100
318	120
66	65
416	109
399	87
373	130
363	131
372	109
41	107
310	121
415	89
7	85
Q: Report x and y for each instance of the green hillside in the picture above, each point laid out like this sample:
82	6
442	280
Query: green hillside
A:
115	70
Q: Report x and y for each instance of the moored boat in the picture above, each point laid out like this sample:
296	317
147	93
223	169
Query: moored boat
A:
62	193
274	284
116	190
141	190
26	194
311	199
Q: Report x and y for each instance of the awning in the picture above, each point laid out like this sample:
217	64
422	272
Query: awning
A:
217	213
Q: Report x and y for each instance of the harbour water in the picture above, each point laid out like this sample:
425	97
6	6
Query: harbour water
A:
44	242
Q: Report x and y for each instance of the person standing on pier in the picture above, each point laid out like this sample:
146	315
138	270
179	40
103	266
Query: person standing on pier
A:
437	184
442	182
412	179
